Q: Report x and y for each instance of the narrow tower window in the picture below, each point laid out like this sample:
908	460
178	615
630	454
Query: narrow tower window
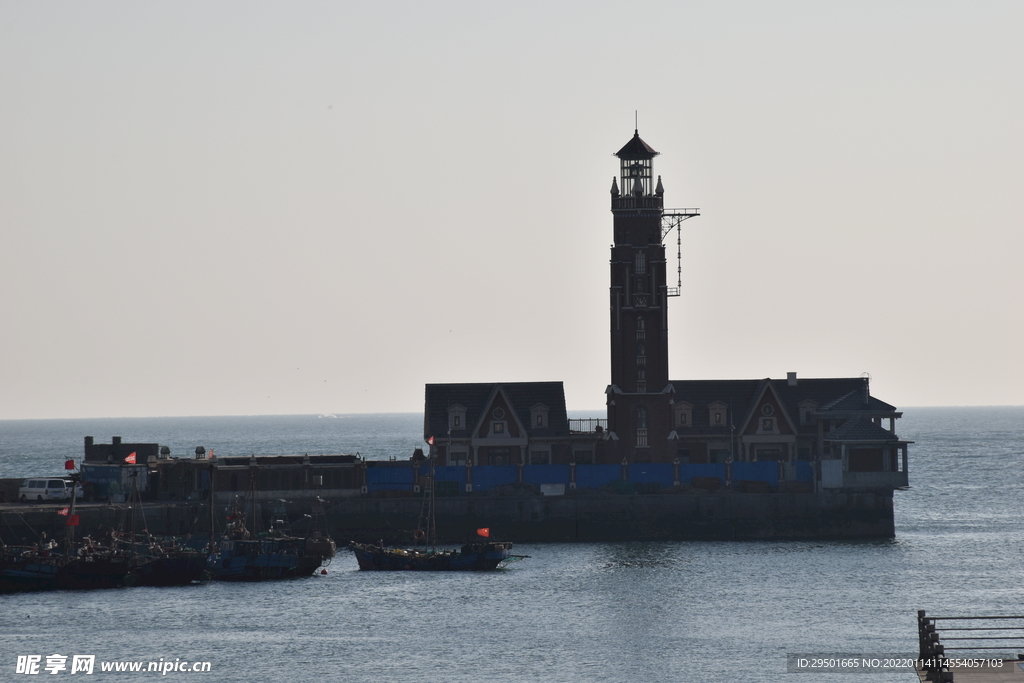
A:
641	263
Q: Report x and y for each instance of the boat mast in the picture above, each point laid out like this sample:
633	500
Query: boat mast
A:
135	503
432	519
70	539
213	521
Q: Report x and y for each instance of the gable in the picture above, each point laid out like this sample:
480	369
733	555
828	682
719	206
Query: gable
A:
520	398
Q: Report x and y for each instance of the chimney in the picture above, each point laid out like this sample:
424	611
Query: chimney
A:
791	379
867	391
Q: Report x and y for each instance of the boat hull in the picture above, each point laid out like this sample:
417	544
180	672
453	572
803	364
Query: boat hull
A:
175	569
27	573
471	557
262	560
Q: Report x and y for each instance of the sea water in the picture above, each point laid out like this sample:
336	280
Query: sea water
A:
686	611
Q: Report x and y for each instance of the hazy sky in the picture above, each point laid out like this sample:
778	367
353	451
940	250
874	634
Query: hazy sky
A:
227	208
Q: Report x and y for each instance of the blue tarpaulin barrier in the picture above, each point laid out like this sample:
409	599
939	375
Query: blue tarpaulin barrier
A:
486	477
767	471
389	478
546	474
596	476
652	473
688	472
447	473
804	471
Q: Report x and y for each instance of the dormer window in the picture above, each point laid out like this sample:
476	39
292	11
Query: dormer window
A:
539	416
456	418
717	413
806	408
682	413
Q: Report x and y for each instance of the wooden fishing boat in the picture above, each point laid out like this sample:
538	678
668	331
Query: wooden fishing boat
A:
477	555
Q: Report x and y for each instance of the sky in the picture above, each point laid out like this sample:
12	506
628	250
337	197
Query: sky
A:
265	208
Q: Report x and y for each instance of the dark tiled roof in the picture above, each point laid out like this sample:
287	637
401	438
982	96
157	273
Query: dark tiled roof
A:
636	149
473	397
854	401
860	429
843	394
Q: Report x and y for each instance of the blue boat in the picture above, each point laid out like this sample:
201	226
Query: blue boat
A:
261	559
244	556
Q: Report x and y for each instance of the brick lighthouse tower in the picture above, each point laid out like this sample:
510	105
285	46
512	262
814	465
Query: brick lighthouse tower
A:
639	396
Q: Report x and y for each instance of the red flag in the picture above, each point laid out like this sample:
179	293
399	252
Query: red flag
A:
130	459
69	464
63	511
486	533
72	520
430	441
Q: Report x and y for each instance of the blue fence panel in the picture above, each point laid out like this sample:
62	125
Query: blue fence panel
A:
546	474
596	476
652	473
688	472
447	473
804	471
486	477
389	478
767	471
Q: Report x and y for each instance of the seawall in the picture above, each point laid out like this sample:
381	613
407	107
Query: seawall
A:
699	515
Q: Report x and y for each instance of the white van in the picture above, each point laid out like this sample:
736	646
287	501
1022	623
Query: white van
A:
47	489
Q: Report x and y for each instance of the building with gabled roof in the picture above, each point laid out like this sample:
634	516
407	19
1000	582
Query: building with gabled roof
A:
831	422
503	423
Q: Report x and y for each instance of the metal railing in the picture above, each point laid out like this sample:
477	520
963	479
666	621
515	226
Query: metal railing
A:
587	425
936	641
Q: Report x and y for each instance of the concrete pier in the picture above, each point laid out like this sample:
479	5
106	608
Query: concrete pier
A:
583	517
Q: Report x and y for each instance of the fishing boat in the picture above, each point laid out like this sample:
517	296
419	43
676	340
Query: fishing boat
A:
242	555
477	555
29	567
167	563
45	566
157	561
473	556
112	560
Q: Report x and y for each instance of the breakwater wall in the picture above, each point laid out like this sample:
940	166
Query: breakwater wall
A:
590	517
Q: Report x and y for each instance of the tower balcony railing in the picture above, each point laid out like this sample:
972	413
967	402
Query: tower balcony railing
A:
587	425
648	203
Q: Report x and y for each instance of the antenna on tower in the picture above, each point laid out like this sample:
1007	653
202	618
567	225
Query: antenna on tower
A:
636	120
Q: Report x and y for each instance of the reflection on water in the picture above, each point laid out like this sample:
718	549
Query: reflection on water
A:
638	555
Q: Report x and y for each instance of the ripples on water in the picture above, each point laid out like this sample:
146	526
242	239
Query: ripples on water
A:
701	611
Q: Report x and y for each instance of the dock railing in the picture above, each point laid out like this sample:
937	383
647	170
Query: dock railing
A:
982	633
